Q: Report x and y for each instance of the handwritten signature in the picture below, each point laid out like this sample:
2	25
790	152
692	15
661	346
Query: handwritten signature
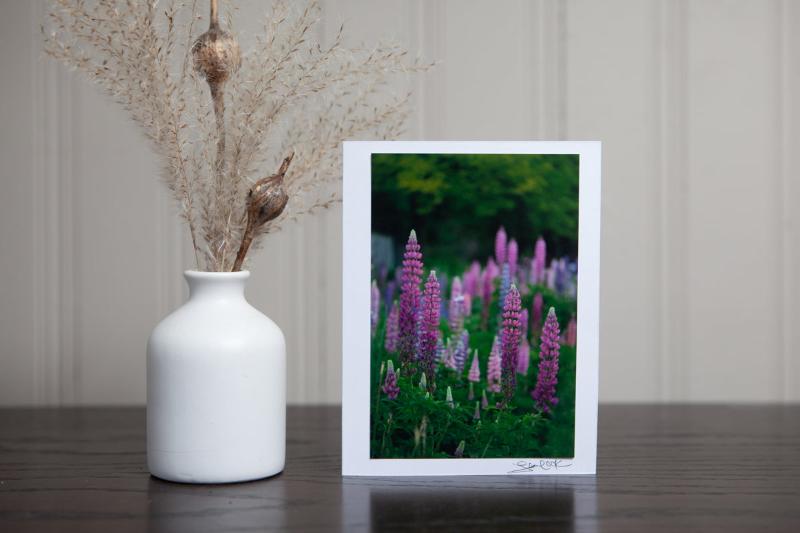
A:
541	464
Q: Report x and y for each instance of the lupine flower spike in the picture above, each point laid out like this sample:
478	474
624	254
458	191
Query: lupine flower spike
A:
513	255
484	400
545	392
524	358
539	260
392	331
571	335
423	382
500	246
505	284
375	307
462	351
449	398
536	315
460	449
493	371
390	387
430	327
409	300
510	343
524	319
475	369
455	314
477	414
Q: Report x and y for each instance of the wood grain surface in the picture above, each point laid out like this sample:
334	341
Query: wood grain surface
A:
661	468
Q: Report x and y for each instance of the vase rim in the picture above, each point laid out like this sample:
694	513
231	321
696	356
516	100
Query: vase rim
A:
202	274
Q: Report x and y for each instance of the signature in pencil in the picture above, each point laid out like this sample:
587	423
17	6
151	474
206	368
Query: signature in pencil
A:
541	464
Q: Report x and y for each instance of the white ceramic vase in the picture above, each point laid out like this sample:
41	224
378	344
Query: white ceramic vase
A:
216	387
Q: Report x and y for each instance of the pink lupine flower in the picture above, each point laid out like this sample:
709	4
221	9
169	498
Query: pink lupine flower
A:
456	309
493	370
449	358
392	331
472	279
513	253
546	380
375	306
467	305
571	335
539	260
524	358
390	387
551	275
500	247
461	351
430	326
536	314
524	320
510	343
474	369
410	299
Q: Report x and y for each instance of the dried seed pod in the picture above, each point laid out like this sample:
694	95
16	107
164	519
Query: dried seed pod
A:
266	200
216	53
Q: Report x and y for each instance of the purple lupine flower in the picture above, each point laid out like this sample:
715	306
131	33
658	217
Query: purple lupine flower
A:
493	370
524	320
546	380
388	295
561	275
487	287
410	300
505	284
374	307
475	368
551	275
430	326
390	387
455	314
539	260
500	247
392	331
571	335
536	314
510	343
461	351
467	304
472	279
450	360
524	358
513	254
443	313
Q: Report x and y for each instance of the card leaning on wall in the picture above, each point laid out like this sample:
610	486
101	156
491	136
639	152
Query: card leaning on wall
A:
471	283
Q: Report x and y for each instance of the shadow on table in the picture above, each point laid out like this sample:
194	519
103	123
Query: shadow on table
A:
470	503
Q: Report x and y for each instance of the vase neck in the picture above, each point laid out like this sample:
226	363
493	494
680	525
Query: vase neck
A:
216	285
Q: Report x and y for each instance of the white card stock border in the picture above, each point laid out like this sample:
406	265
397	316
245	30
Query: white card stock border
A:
356	280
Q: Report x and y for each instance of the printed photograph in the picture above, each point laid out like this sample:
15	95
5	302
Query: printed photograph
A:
473	305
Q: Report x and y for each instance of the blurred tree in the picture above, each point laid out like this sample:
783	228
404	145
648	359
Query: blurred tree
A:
456	202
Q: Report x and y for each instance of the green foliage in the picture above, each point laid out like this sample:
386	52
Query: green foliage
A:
422	425
457	201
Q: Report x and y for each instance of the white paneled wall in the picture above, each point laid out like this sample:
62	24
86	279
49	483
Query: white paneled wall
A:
696	103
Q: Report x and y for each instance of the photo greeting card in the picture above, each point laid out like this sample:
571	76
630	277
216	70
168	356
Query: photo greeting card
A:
470	329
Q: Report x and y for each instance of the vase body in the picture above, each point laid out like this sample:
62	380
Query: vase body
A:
216	387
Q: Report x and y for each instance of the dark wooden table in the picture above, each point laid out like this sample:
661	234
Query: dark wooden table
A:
677	468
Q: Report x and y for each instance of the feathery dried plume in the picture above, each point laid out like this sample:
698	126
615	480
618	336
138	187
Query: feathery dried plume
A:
285	94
